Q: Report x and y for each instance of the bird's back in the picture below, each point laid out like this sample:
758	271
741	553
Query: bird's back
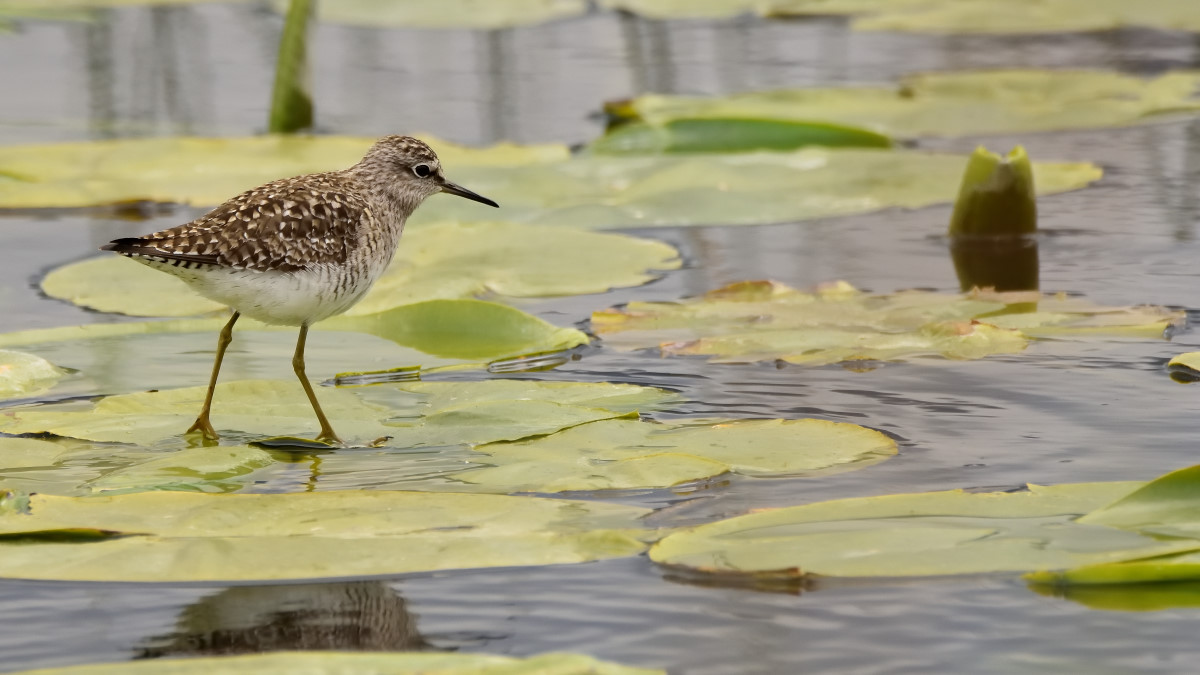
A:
291	251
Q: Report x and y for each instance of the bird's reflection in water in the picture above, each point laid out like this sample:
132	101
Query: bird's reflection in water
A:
348	616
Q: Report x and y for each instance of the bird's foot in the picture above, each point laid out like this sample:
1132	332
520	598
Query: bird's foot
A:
204	427
327	436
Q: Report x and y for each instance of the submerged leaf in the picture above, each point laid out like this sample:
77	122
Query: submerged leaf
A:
948	104
194	470
361	663
241	537
439	261
627	454
934	533
760	320
24	374
202	171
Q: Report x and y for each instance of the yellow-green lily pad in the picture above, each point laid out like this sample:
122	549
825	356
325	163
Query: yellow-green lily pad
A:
762	320
438	261
438	331
24	453
628	454
1000	16
203	171
945	16
359	663
936	533
24	374
600	191
476	14
936	104
181	536
205	469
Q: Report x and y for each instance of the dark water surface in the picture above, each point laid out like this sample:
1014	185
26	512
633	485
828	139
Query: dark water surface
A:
1061	412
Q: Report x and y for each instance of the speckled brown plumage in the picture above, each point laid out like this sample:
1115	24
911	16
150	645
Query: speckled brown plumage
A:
298	250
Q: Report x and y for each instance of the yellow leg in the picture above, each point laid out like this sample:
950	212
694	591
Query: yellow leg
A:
327	435
202	424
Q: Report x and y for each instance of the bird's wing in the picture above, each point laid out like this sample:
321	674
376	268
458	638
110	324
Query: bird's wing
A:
285	226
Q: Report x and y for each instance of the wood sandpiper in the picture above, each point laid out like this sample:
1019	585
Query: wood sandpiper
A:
298	250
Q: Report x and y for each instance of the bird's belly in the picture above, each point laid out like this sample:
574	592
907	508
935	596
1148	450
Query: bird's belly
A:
282	298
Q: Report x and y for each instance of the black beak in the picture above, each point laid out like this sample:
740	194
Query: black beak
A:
461	191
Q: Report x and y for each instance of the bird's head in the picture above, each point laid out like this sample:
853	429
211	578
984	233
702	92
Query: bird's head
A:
410	170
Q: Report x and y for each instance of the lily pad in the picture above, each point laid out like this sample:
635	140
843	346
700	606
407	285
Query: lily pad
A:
180	536
600	191
365	663
24	374
732	134
628	454
23	453
439	331
936	533
202	171
936	104
439	261
1000	16
945	16
763	320
477	14
192	470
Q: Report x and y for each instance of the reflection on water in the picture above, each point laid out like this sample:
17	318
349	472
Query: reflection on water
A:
1003	264
350	616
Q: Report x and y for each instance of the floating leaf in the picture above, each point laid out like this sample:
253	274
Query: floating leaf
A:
726	134
180	536
947	104
439	261
477	14
758	320
194	469
251	407
598	191
202	171
24	374
438	331
1185	368
22	453
365	663
945	16
627	454
934	533
1000	16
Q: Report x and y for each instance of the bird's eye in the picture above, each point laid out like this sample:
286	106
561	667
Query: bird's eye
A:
422	170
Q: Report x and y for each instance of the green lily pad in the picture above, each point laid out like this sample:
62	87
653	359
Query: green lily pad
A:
600	191
180	536
439	261
762	320
939	104
628	454
24	374
945	16
732	134
438	332
934	533
477	14
365	663
202	171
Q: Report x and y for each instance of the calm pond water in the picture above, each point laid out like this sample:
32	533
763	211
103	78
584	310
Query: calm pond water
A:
1061	412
